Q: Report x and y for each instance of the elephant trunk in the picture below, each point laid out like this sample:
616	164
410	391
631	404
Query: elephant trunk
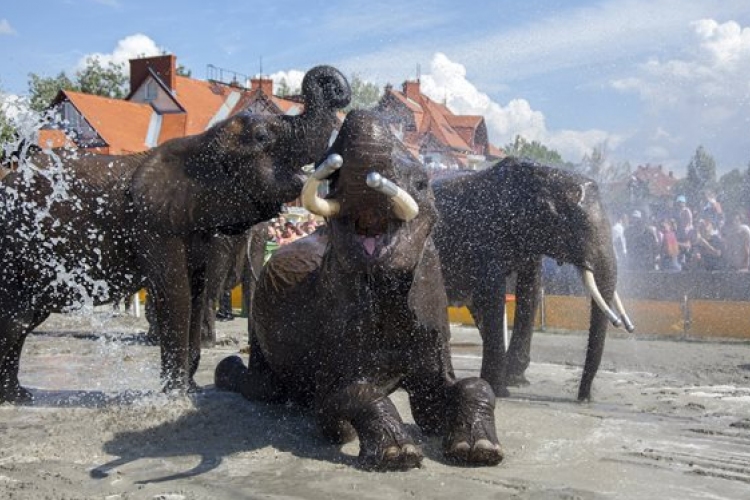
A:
325	90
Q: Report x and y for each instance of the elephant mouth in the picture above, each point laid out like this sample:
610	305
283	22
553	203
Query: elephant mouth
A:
374	238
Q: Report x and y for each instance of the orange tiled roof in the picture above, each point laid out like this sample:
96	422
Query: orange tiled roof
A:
54	138
201	101
123	125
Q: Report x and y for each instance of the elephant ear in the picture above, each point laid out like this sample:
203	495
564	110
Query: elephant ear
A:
427	298
165	195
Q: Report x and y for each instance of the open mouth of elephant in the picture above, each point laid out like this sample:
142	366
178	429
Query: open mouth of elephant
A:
375	237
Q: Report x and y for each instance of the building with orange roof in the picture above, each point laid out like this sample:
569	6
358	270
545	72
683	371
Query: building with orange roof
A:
160	106
433	133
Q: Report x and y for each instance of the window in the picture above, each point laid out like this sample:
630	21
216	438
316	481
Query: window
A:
150	91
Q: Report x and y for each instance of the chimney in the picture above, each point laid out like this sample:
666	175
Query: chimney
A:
164	66
265	85
411	90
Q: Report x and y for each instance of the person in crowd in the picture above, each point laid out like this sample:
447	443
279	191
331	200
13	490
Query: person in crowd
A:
669	250
310	224
288	234
712	208
684	229
737	243
708	247
618	238
642	244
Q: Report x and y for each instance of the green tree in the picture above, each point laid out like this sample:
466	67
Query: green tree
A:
364	94
94	78
731	191
701	174
183	71
107	81
535	151
43	90
283	89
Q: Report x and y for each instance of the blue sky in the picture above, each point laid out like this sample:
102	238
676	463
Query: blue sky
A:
651	79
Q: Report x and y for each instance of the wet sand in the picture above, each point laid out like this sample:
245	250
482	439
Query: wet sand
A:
670	419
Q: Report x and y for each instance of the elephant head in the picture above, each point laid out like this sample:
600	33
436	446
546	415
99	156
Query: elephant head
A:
379	205
578	229
240	171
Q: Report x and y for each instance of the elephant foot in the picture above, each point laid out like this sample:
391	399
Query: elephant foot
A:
392	458
230	373
16	394
472	438
180	386
517	380
482	452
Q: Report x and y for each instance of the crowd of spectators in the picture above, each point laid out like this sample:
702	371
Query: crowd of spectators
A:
681	239
282	231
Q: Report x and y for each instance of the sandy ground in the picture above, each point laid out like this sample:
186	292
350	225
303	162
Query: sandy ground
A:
670	419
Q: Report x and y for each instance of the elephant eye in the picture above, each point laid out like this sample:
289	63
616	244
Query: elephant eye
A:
262	135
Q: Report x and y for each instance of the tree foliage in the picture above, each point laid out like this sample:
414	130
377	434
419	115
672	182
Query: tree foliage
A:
94	78
534	150
283	89
365	95
701	174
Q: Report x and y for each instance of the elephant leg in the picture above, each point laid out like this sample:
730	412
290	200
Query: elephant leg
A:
165	263
487	307
12	337
519	351
471	437
384	441
197	301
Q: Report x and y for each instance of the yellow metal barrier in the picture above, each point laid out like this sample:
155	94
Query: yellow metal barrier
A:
704	318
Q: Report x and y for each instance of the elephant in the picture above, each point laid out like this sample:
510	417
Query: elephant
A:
82	229
354	311
226	263
504	219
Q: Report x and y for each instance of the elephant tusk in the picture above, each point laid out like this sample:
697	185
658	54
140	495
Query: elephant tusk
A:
590	283
623	315
403	203
310	198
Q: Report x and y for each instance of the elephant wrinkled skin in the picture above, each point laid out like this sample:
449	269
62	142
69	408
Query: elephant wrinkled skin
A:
89	229
504	219
344	317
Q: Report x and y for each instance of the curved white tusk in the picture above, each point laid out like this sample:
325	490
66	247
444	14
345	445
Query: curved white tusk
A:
403	204
590	283
310	199
623	315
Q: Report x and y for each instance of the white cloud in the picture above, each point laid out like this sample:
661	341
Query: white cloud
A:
6	28
292	77
447	83
130	47
701	96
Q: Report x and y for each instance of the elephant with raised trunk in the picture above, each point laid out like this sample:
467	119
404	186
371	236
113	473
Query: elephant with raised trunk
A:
505	219
344	317
88	229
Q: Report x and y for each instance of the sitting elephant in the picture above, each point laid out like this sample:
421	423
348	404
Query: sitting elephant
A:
349	314
87	229
504	219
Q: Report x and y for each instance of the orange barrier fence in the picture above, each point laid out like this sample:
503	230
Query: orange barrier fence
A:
704	318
